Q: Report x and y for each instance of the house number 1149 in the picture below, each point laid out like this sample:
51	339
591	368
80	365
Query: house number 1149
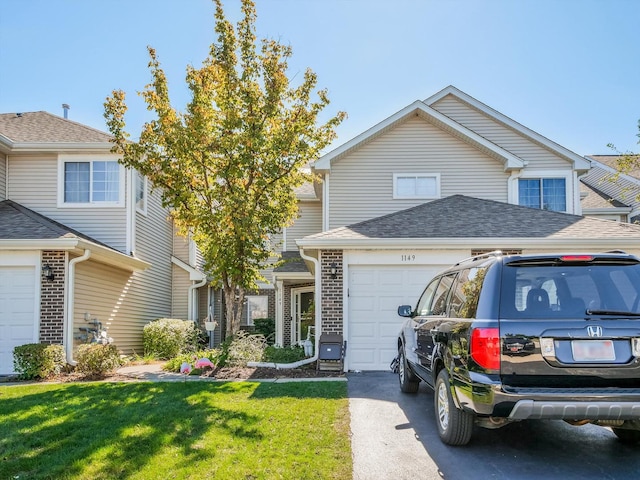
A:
407	258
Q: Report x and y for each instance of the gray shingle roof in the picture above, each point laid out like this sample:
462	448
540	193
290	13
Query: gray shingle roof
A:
459	216
293	262
596	198
21	223
43	127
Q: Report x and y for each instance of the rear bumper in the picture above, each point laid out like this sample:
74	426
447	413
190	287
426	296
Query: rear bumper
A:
575	410
489	398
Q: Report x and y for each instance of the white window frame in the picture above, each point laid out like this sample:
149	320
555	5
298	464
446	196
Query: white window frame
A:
398	196
542	174
138	177
63	159
265	299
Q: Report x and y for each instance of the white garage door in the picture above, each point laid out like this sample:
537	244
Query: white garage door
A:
17	312
375	292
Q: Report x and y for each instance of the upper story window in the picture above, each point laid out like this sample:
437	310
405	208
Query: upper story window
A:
543	193
90	182
141	192
421	185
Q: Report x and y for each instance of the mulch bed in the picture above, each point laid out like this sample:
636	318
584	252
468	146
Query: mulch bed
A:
224	373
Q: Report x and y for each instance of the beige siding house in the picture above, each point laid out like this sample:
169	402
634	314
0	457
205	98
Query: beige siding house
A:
82	240
439	181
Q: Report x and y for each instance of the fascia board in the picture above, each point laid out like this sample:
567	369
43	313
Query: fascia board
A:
448	243
604	210
39	244
60	146
292	276
511	161
100	253
579	162
194	274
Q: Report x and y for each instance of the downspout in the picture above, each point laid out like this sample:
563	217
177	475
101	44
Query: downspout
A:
71	288
191	305
318	322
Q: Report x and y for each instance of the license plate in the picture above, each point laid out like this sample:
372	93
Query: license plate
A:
593	350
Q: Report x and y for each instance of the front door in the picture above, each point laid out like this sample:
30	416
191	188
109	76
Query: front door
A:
302	314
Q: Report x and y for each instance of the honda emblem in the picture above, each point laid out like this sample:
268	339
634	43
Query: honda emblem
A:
594	330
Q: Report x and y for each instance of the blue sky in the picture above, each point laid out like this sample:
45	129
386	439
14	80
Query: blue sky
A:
568	69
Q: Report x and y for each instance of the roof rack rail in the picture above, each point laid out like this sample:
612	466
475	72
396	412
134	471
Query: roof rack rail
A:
493	253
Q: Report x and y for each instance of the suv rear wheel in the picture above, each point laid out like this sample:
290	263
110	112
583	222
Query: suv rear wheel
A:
454	426
409	383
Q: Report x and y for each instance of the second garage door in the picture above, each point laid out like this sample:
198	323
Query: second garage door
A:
17	312
375	291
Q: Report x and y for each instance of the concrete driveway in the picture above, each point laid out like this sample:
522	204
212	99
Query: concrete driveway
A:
394	436
384	426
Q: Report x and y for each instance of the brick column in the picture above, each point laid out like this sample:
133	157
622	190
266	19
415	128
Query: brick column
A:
332	300
52	299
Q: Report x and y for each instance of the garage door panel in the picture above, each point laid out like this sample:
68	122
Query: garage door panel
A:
18	322
375	292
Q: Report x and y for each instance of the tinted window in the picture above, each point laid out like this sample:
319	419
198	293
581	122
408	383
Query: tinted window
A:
560	291
464	298
439	305
424	304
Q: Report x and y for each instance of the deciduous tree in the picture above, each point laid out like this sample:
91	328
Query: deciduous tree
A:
228	166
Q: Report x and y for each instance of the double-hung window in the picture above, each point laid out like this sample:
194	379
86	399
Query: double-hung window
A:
543	193
421	185
86	181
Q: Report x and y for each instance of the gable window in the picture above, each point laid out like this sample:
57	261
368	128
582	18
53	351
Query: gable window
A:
543	193
141	192
422	185
90	182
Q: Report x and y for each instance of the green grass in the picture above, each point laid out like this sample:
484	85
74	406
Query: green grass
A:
182	430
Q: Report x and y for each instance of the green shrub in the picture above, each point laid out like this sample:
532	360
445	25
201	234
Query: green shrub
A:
97	359
266	327
244	348
283	354
167	338
173	365
38	360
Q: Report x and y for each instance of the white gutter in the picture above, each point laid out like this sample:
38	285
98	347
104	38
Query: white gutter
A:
318	322
71	275
191	307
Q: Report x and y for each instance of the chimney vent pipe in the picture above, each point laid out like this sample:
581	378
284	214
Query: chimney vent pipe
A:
66	108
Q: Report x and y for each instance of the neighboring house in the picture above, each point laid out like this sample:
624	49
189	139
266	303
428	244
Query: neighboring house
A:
439	181
605	196
69	208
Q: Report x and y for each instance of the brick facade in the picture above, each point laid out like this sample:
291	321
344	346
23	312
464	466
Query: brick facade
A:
52	299
332	301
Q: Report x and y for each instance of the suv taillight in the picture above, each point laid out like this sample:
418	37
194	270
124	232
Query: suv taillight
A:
485	347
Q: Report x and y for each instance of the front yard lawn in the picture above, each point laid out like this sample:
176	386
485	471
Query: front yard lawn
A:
183	430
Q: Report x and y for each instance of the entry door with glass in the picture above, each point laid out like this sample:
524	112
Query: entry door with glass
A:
303	314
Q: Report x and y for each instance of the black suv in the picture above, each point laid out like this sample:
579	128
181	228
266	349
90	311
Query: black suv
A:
506	338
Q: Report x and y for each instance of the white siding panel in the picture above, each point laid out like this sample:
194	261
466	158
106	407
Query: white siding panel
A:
3	177
180	246
179	293
108	294
503	136
33	182
361	184
309	221
154	244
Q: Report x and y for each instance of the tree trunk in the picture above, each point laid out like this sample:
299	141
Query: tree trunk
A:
234	302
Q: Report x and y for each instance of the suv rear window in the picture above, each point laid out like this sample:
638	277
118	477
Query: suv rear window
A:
568	290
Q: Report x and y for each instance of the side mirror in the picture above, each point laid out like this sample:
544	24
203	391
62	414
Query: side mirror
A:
404	310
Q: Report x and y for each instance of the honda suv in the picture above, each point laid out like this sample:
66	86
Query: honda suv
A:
503	338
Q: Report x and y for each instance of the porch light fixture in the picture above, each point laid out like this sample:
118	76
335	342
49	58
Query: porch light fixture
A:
333	271
47	271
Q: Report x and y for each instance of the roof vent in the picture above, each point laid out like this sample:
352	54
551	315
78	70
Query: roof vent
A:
19	115
65	108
